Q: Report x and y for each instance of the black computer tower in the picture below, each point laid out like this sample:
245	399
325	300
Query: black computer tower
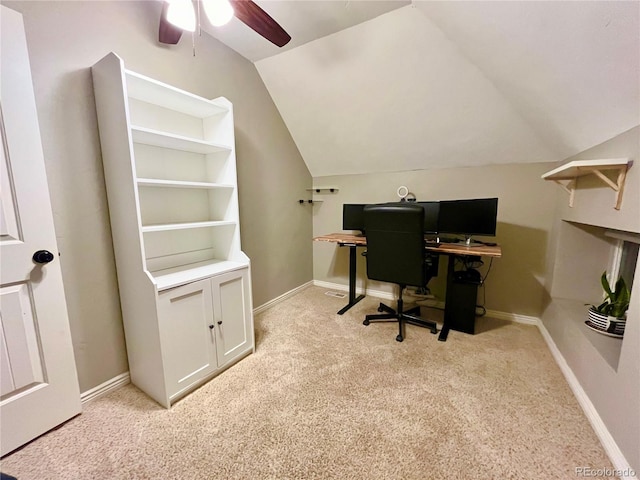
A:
461	305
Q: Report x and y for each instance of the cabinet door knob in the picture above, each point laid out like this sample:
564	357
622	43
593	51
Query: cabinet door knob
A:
219	322
211	327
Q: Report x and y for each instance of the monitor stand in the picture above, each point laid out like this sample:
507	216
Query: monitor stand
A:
468	242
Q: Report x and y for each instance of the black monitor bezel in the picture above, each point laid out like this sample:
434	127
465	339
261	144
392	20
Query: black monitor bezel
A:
350	215
431	223
449	221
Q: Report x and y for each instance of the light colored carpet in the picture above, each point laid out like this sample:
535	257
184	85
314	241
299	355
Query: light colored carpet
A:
326	397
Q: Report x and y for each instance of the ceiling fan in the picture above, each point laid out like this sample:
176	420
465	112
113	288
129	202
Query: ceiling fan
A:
179	16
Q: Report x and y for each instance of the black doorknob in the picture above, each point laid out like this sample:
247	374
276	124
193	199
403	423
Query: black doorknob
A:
42	256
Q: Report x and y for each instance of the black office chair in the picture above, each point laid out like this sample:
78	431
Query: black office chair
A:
396	253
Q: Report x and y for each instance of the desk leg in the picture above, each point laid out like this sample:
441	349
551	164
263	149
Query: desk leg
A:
447	312
444	333
352	280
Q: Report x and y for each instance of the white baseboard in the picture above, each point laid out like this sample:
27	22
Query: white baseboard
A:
281	298
345	288
610	446
513	317
106	387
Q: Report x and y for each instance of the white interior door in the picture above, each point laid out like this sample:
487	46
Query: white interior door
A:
38	372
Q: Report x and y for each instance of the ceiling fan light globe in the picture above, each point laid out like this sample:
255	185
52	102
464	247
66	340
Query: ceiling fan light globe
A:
181	14
219	12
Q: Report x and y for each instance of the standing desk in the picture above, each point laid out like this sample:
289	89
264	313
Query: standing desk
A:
452	250
352	241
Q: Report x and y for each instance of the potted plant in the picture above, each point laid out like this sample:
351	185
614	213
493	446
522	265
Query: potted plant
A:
610	317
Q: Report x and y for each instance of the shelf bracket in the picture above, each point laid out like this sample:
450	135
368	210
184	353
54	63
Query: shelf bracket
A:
622	176
617	186
570	188
605	179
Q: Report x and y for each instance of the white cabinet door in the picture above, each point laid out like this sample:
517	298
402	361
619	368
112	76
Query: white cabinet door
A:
37	368
232	313
187	334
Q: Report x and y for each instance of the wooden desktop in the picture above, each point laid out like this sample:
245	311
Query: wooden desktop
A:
452	250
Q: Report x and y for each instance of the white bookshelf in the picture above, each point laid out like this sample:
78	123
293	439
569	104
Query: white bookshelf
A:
170	172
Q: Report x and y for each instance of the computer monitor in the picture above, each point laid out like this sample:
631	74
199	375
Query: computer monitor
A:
353	216
468	217
431	213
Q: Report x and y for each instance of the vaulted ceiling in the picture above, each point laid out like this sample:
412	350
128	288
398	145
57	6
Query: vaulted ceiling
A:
443	84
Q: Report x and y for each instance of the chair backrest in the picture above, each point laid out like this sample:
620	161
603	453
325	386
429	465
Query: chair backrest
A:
395	243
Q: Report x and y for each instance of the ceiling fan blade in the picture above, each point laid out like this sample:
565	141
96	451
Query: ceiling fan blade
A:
253	16
167	32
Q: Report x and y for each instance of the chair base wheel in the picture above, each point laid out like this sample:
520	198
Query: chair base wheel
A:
380	309
399	338
366	322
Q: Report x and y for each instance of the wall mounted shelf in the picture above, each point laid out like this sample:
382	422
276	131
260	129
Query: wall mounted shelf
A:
578	168
323	189
318	190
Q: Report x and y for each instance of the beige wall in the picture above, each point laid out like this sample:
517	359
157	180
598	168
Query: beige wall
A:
574	272
525	216
64	40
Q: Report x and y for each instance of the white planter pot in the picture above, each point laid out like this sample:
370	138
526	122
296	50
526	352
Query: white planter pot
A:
606	325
